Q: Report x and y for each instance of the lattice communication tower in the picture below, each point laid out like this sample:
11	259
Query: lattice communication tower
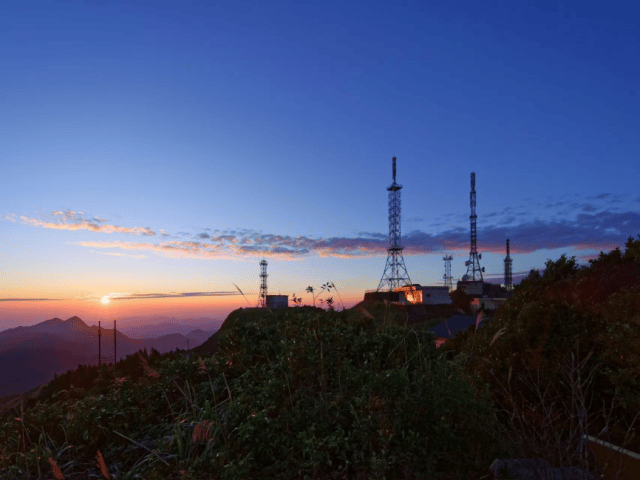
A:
448	279
262	301
474	272
395	272
508	272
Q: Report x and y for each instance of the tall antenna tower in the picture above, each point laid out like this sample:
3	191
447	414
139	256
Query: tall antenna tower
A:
262	301
448	279
473	264
395	273
508	273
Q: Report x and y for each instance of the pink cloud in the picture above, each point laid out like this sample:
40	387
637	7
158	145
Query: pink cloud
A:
75	221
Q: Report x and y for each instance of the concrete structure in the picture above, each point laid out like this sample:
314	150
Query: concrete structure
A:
427	295
486	303
277	301
471	288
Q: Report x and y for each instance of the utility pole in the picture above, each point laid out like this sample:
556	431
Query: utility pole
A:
115	354
99	346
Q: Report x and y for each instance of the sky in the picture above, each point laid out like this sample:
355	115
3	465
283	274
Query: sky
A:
154	152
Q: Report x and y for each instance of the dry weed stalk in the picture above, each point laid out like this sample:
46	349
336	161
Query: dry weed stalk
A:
102	466
553	426
145	365
202	431
57	473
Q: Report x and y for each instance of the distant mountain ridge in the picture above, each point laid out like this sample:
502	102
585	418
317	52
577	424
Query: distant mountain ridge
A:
32	355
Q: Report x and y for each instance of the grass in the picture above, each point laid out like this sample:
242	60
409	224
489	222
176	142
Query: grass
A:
211	415
298	393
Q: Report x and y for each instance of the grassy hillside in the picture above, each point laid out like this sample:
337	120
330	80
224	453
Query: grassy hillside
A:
306	393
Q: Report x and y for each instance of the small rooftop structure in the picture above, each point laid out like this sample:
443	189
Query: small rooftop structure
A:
470	287
277	301
427	295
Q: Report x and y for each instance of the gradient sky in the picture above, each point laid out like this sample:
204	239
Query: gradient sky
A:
156	151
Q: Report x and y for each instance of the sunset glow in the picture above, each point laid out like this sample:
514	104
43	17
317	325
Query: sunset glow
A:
148	165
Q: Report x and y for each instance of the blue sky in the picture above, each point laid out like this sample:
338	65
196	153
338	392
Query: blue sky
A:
249	128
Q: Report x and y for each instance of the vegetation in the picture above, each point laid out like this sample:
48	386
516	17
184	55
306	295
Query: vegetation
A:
306	393
564	349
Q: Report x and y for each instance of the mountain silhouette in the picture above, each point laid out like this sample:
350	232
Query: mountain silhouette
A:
32	355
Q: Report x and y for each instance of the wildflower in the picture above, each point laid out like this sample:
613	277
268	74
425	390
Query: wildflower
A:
202	367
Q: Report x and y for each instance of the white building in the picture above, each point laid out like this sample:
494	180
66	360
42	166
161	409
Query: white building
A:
425	295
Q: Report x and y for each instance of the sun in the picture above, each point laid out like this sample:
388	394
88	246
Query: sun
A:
105	299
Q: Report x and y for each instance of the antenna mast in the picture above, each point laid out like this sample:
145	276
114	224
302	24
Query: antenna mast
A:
473	264
508	273
262	301
395	272
448	279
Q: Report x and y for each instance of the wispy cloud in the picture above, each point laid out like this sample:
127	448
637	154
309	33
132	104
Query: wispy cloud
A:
70	220
30	299
146	296
599	231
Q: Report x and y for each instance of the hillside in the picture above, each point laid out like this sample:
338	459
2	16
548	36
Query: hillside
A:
307	393
32	355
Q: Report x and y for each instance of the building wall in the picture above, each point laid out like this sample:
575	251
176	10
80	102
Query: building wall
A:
277	301
436	295
471	288
417	294
486	303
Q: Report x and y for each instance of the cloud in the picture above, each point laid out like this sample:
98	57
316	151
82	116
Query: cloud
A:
113	254
71	220
414	219
147	296
203	235
30	299
599	231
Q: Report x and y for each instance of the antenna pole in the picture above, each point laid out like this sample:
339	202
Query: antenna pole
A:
262	301
508	270
474	272
394	169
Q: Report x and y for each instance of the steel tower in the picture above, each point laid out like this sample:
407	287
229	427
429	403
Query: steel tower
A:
473	264
395	273
448	279
508	273
262	301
